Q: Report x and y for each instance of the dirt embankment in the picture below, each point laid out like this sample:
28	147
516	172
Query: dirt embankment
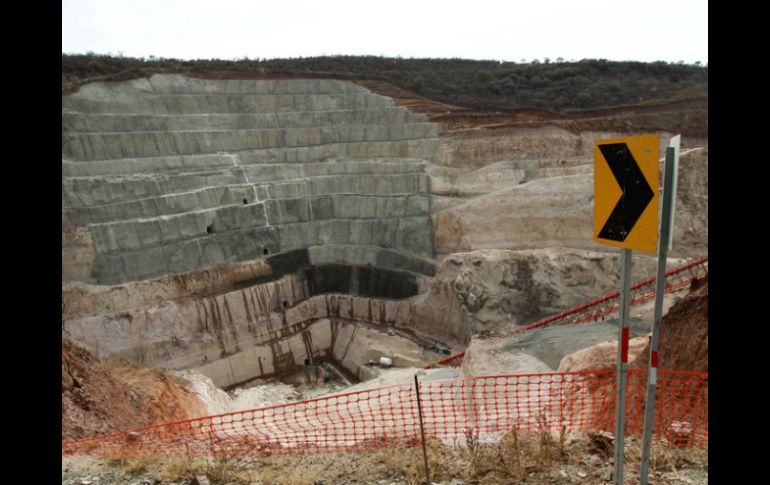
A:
101	399
687	114
684	338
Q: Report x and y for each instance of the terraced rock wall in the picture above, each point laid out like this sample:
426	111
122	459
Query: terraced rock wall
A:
171	174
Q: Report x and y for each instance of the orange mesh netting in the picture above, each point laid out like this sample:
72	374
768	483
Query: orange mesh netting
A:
490	406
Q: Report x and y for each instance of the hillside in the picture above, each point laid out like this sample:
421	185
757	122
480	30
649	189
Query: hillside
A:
487	85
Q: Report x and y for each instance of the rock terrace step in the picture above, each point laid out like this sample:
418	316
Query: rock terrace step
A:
173	174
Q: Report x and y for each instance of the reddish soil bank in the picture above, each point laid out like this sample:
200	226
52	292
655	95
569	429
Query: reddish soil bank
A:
102	399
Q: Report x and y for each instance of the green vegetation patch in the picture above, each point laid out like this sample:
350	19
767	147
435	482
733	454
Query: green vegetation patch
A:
487	85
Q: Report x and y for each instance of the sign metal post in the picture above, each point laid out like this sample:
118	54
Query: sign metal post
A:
666	229
625	216
620	403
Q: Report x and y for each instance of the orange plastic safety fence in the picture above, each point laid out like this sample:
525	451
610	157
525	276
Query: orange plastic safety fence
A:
489	406
370	418
681	407
576	402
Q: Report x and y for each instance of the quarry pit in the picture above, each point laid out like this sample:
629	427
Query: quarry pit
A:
272	233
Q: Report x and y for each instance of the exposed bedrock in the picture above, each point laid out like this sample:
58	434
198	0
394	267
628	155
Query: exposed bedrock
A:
263	330
170	175
525	188
502	288
271	319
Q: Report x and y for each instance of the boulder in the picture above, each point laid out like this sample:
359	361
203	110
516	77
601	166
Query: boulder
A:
601	356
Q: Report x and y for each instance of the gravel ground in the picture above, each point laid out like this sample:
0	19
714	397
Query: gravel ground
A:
391	466
551	344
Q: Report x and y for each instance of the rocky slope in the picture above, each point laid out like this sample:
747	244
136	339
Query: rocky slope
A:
102	399
684	338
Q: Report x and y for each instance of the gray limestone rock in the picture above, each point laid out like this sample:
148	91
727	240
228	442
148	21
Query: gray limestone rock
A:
172	174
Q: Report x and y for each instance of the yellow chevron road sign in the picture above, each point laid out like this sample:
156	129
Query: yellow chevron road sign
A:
626	192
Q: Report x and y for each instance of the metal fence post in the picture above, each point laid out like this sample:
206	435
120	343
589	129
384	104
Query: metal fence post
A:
422	431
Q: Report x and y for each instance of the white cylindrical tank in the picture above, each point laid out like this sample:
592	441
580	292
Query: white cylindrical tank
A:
386	362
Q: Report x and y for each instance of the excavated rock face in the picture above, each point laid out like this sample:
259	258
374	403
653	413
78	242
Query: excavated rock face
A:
535	200
168	175
236	334
500	286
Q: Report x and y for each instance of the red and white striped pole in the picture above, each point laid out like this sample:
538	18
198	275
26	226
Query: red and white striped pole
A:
622	368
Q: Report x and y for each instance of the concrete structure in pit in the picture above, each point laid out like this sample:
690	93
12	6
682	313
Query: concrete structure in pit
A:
171	174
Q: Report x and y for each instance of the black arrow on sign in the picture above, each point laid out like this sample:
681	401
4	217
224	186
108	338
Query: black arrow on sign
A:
637	193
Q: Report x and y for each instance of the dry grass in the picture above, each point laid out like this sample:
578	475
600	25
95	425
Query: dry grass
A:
218	470
133	465
519	456
668	458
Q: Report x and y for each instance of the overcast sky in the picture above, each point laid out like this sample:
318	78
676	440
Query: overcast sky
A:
509	30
